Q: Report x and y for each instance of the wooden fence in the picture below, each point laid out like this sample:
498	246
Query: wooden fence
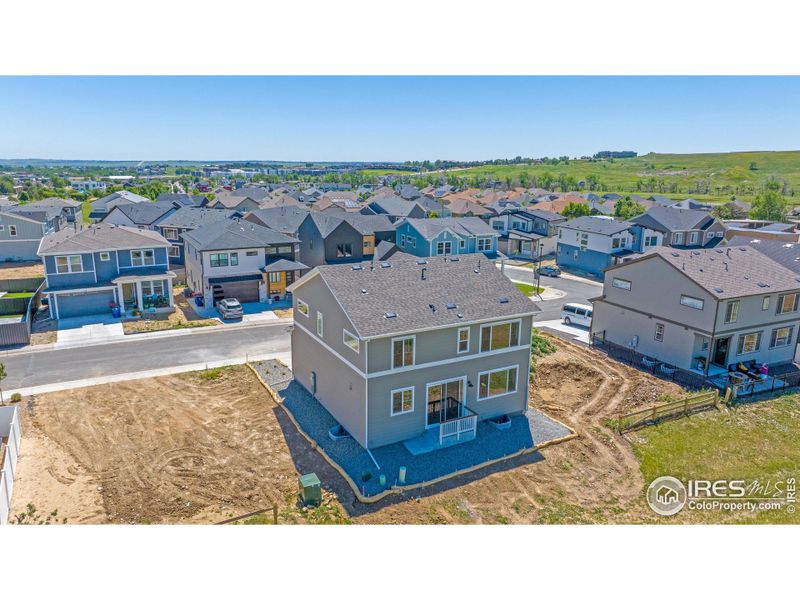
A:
671	410
20	285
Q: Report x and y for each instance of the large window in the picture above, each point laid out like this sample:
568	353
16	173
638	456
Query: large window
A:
622	284
463	340
344	250
69	264
650	240
787	303
692	302
174	251
732	311
782	336
677	239
154	294
224	259
350	341
170	233
497	383
484	244
275	277
402	352
749	342
143	258
402	401
444	248
693	238
498	336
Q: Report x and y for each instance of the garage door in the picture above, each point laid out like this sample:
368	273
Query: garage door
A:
79	305
243	291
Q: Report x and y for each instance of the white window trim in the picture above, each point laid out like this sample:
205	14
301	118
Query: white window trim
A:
702	302
623	282
174	251
655	333
391	401
320	324
759	338
492	324
413	351
107	256
167	230
486	242
734	312
144	260
458	340
69	264
489	373
301	303
345	333
765	302
12	231
774	332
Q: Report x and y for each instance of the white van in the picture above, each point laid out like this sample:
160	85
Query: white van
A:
577	314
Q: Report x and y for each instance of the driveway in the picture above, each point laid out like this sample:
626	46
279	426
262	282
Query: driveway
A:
254	312
574	332
76	331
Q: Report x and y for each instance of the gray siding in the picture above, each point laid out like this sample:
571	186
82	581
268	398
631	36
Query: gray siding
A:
22	246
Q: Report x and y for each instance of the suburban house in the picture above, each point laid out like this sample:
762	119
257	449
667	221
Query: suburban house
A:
464	207
446	236
70	209
143	215
176	223
592	244
412	347
241	200
102	206
761	230
396	208
84	185
89	269
328	238
181	200
527	234
240	259
23	226
701	310
682	227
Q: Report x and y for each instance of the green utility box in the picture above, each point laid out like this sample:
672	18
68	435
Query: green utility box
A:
310	489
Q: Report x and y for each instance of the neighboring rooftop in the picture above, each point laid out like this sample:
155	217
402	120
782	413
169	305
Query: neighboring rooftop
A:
395	296
463	226
190	217
235	234
601	225
784	253
102	236
143	213
665	219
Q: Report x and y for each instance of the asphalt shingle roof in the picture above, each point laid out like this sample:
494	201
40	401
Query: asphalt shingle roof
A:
469	226
122	195
286	219
395	205
599	225
231	235
102	236
784	253
143	213
661	218
190	217
472	283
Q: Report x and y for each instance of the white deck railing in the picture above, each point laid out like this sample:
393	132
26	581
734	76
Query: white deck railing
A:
459	427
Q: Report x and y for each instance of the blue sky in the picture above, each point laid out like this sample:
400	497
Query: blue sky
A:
391	118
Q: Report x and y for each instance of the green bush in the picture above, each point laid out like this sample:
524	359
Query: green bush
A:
16	397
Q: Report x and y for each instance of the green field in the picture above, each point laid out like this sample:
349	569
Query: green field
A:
677	175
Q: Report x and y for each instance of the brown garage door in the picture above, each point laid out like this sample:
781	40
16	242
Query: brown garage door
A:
243	291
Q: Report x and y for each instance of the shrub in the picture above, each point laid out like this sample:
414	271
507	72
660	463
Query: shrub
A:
16	397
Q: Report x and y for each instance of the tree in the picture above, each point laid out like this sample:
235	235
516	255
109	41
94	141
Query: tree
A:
753	166
524	179
769	206
574	210
729	210
625	208
3	375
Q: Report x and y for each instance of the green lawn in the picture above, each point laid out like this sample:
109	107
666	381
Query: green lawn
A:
86	208
755	441
17	295
529	289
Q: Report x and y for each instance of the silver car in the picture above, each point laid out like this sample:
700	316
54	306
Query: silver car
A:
230	308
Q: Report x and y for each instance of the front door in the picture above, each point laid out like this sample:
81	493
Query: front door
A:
721	352
129	297
444	401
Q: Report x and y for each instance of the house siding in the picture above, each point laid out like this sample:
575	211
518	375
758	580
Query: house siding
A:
22	246
590	261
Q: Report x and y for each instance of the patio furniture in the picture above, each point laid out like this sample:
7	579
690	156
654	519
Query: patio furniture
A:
668	371
649	363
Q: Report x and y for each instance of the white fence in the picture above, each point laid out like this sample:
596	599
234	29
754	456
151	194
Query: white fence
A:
9	451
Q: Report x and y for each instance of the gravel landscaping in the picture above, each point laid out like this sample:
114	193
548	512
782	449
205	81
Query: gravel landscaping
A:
526	431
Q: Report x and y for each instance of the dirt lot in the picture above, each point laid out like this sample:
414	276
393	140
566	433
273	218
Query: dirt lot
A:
183	317
21	270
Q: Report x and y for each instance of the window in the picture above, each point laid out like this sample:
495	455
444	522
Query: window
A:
272	250
402	352
170	233
463	340
251	253
285	249
141	258
320	328
402	401
219	260
615	242
677	238
732	311
484	244
367	244
275	277
174	251
462	243
782	336
659	336
105	256
349	340
787	303
498	225
444	248
693	237
150	288
692	302
69	264
497	383
12	230
344	250
650	240
412	242
765	303
2	227
402	240
749	342
302	307
501	335
622	284
234	259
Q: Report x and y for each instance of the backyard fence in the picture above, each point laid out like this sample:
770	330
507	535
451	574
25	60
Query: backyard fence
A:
20	285
14	333
9	451
671	410
768	385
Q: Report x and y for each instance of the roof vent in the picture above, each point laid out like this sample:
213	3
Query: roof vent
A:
718	251
460	316
356	267
432	307
718	290
504	300
454	259
761	284
385	265
423	273
422	262
675	254
451	306
788	245
390	315
363	290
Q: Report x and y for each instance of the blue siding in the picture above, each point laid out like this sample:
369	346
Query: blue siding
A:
589	261
69	279
106	270
423	247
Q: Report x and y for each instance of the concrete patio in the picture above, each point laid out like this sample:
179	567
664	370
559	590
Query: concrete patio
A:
254	312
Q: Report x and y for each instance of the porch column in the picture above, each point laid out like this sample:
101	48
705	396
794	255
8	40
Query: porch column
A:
169	293
139	299
121	298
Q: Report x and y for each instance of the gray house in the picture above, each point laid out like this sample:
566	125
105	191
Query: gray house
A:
102	206
412	347
23	226
701	310
682	227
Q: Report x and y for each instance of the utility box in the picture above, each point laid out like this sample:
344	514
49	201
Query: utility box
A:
310	489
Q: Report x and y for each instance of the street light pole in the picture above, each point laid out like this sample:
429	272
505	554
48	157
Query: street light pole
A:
539	268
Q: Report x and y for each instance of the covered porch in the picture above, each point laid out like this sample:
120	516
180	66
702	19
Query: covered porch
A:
278	276
145	290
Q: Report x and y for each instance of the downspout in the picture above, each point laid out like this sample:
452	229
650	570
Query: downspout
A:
366	404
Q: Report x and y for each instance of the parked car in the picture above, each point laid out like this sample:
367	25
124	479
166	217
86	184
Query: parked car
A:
549	271
579	314
230	308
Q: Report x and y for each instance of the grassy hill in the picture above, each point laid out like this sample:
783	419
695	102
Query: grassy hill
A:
712	177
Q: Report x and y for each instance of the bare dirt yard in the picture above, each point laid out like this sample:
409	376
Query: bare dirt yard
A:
183	317
21	270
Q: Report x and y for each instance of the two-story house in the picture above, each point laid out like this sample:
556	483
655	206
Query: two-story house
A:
175	223
406	347
527	234
395	207
102	206
89	269
22	227
446	236
682	227
143	215
592	244
702	310
240	259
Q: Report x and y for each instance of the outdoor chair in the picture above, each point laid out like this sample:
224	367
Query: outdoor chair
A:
649	363
668	371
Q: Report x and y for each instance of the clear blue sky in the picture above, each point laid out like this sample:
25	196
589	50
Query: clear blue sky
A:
391	118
